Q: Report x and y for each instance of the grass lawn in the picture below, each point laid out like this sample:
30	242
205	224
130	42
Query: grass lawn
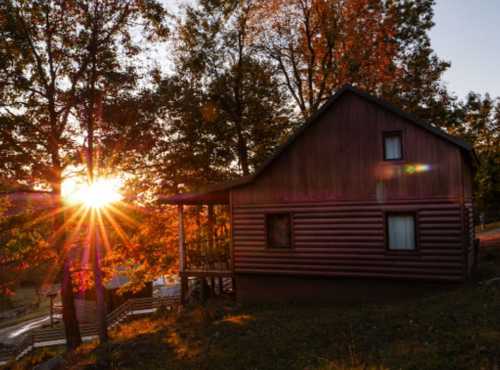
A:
458	329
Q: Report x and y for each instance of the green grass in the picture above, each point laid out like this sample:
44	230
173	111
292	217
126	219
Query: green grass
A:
458	329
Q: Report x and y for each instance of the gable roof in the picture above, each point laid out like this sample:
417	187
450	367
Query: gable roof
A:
217	191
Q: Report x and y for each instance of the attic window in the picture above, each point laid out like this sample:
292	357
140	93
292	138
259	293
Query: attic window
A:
278	227
393	147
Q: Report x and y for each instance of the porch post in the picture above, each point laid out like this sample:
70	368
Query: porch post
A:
210	224
211	246
182	255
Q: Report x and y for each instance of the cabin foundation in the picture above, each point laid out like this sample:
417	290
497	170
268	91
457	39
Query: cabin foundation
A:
257	288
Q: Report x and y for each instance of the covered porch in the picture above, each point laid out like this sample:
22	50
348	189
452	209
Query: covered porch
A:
205	242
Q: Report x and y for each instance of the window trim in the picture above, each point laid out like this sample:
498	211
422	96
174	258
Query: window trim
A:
398	133
413	213
291	233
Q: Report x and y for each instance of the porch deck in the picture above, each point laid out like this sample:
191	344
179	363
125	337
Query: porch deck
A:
210	259
207	273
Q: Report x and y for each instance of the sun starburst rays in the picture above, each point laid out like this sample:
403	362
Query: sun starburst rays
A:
97	194
88	210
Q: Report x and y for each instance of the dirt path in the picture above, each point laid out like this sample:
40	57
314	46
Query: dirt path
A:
15	333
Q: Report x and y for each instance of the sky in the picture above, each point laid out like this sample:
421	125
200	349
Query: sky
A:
467	33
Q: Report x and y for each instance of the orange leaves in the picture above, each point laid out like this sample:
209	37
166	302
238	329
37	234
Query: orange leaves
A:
319	45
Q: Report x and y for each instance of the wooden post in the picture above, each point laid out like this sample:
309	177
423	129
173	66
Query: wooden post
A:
52	295
51	310
204	289
211	245
181	238
99	287
182	255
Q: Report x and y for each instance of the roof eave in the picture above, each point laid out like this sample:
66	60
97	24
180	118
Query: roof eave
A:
216	194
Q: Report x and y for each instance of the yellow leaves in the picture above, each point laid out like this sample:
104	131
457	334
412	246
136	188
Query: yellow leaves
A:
137	328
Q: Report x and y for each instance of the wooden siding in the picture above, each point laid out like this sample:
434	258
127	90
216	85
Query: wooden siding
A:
468	179
340	157
470	236
335	183
344	239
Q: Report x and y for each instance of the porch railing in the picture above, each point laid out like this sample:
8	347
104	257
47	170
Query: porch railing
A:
205	254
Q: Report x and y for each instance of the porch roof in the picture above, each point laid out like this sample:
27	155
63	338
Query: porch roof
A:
215	194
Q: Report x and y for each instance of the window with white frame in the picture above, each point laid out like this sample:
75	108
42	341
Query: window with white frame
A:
401	231
393	146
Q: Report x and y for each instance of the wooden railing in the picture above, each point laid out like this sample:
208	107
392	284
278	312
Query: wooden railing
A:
53	336
207	254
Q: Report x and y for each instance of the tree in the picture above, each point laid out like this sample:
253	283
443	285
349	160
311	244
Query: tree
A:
380	46
251	111
48	51
190	152
224	111
23	230
145	244
418	88
479	124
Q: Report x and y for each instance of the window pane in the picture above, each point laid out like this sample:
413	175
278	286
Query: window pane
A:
392	147
278	230
401	230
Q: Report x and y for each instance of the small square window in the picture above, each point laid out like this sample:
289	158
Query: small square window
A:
393	148
401	232
278	230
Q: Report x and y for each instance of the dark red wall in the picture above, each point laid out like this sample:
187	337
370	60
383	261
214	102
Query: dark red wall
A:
340	157
336	185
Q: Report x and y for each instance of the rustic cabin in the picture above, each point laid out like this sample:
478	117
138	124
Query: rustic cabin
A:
361	193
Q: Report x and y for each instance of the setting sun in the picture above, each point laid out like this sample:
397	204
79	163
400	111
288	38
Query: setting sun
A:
96	195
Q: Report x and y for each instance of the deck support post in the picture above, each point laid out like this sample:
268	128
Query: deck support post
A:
221	286
211	245
204	290
182	255
210	224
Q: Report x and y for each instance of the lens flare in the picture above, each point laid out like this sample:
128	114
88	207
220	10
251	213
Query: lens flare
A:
411	169
100	193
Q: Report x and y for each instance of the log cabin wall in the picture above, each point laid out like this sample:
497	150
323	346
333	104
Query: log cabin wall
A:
337	187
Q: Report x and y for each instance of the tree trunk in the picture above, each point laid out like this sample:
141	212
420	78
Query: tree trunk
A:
96	247
99	288
243	153
71	328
